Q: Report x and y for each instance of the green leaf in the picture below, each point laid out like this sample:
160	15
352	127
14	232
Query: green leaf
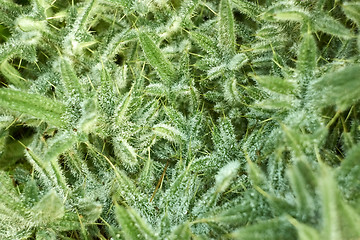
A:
305	232
256	175
276	229
49	171
71	82
35	105
5	121
84	16
168	132
178	21
106	95
87	122
31	193
10	202
225	176
125	152
231	92
123	109
300	186
156	58
286	13
237	61
58	176
325	23
348	173
330	88
250	9
340	221
157	89
69	222
241	213
307	56
48	234
295	141
41	167
90	210
205	42
227	40
281	102
181	232
3	137
48	209
132	225
146	178
276	84
58	145
27	24
187	8
352	11
124	3
12	75
9	49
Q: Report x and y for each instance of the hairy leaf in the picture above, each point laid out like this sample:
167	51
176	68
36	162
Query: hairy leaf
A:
156	58
35	105
227	40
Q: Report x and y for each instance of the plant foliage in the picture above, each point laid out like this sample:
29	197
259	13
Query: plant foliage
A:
169	119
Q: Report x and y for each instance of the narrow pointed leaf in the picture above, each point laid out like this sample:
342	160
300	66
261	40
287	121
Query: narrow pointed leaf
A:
125	152
35	105
85	15
49	208
348	173
133	226
69	222
306	63
9	49
225	176
181	232
237	61
58	145
106	96
227	41
205	42
122	111
304	199
168	132
58	176
276	229
328	24
156	58
329	90
91	211
231	92
46	235
276	84
286	12
256	174
12	75
340	221
70	80
157	89
124	3
248	8
305	232
352	11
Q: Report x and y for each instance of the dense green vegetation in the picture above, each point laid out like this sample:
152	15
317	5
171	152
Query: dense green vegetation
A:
179	119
